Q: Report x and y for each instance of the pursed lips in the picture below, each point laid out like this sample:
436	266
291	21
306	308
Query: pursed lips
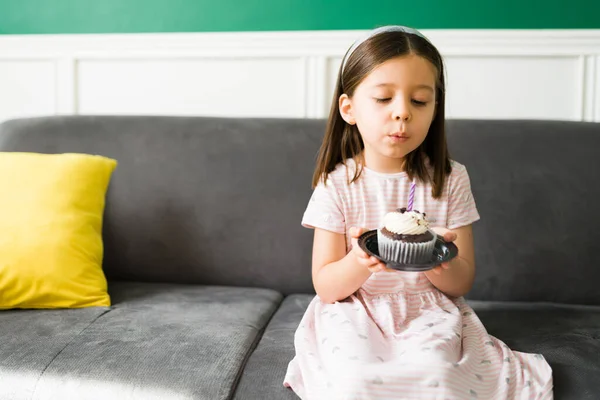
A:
399	136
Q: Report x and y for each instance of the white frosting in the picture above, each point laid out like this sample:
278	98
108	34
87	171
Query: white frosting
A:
407	223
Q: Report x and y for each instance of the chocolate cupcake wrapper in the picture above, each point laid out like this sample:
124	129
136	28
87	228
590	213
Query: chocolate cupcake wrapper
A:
405	252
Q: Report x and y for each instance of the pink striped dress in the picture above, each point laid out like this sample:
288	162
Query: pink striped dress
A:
398	337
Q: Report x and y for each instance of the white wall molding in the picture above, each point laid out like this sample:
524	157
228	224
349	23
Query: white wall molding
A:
548	74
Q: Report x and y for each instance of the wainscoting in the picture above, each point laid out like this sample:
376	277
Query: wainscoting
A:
539	74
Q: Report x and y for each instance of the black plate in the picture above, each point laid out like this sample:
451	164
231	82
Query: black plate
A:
443	251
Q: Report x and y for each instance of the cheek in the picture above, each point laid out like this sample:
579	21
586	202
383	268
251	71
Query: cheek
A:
367	113
427	117
424	124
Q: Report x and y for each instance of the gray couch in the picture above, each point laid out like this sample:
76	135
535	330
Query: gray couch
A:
209	268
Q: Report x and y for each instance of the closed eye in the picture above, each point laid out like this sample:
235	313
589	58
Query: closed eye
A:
388	99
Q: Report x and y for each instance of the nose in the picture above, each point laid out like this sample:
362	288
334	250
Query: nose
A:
401	112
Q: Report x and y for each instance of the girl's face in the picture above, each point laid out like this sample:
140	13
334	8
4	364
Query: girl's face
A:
393	108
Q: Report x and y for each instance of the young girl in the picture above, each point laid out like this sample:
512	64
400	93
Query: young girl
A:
374	333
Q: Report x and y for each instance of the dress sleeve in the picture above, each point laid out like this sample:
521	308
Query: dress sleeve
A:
461	204
325	209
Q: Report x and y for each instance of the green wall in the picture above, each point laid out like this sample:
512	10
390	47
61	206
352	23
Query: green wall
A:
129	16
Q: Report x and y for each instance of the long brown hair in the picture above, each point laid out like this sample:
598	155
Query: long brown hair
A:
343	141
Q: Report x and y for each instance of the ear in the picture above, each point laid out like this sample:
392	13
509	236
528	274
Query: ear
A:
345	106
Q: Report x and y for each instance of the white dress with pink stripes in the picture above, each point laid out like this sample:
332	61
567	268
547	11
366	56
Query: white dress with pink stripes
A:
399	337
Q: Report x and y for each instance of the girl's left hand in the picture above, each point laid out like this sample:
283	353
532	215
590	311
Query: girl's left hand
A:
449	236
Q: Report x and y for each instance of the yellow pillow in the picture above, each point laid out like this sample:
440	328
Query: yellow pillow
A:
51	248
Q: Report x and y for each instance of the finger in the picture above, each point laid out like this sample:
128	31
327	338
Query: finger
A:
360	253
381	265
377	268
365	262
450	236
355	232
372	263
445	265
390	269
437	270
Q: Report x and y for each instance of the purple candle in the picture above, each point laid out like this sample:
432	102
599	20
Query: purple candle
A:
411	196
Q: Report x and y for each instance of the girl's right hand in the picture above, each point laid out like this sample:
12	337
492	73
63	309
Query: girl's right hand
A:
369	262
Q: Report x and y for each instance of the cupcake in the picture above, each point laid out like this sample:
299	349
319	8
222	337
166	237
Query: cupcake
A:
405	237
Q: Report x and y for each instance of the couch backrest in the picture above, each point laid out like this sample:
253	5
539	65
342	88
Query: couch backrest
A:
219	201
536	187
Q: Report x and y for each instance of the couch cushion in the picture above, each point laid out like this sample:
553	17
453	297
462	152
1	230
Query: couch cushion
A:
31	339
162	341
263	375
567	335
